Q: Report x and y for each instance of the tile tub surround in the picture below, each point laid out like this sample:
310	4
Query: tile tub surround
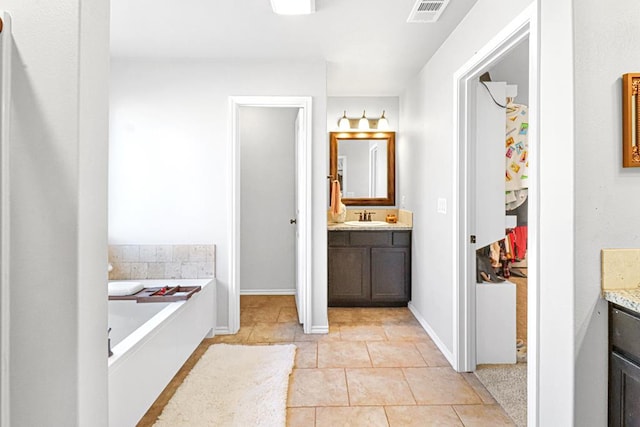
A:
621	277
162	262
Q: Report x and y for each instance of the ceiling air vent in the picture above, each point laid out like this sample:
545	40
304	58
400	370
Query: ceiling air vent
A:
427	10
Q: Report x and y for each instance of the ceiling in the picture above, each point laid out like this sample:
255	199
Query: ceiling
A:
369	48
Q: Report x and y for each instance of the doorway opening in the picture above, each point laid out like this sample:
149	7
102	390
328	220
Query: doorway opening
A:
253	210
479	217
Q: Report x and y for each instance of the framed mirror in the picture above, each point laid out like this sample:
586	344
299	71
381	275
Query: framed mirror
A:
364	163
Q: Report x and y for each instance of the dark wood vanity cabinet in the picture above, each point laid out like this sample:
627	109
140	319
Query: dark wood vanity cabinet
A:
369	268
624	367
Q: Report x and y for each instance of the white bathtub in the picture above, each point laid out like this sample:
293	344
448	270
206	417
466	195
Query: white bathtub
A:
150	342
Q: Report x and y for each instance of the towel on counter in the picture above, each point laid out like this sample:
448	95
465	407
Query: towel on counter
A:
336	197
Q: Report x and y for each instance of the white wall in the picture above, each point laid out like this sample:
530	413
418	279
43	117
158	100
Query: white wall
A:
168	170
425	158
606	202
58	244
267	192
425	151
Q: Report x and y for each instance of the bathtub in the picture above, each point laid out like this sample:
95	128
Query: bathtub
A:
150	342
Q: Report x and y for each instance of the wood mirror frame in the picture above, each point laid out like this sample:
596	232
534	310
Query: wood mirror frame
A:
390	137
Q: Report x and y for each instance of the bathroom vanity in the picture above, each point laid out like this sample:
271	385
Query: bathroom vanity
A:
624	358
369	267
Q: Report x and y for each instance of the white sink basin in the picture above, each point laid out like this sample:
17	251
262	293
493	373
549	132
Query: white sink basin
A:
366	223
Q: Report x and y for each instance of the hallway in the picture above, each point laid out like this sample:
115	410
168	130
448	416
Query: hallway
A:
376	367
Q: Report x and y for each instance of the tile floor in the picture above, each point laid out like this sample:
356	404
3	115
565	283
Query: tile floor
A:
376	367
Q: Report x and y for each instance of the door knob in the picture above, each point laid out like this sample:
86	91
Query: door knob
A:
293	221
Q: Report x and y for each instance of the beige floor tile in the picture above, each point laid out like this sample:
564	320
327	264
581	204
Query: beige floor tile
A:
272	332
288	315
431	354
483	415
239	338
301	417
317	387
422	416
253	301
339	315
362	333
333	335
253	315
363	416
406	333
306	355
342	354
440	386
267	301
378	386
387	338
394	354
479	388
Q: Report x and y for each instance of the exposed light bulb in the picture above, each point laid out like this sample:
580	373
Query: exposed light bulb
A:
343	123
363	124
383	123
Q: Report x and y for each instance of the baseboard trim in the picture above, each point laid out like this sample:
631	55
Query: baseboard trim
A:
434	337
319	330
267	291
223	330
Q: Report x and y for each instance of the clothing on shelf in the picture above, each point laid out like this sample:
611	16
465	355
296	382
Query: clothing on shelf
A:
493	262
516	155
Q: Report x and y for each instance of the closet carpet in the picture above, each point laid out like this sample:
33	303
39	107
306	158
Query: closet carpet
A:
508	385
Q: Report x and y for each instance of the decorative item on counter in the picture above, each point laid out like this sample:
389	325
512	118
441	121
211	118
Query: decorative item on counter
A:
392	218
338	211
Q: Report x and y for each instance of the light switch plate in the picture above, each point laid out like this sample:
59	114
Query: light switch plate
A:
442	206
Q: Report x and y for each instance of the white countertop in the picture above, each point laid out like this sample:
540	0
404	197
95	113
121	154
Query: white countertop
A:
627	298
335	226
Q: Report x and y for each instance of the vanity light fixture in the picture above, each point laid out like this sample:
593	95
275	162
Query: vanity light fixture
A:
343	123
383	123
346	124
363	124
293	7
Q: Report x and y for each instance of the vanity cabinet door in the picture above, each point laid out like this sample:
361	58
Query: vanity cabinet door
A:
390	274
624	392
349	275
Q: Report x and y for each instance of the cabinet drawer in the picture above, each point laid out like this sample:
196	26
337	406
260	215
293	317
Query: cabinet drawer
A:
625	332
401	238
370	238
338	238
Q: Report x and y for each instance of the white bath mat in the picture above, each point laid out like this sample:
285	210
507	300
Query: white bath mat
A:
234	385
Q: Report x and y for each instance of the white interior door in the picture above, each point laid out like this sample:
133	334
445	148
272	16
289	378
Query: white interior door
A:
489	150
299	273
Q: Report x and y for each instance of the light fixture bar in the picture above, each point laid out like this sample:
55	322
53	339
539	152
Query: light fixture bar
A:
363	122
293	7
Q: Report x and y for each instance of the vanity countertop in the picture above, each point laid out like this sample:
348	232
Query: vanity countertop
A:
627	298
336	226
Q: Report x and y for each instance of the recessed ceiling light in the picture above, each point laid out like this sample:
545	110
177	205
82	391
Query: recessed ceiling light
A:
293	7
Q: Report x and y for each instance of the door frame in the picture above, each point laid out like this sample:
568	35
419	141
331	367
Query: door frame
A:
523	29
303	103
5	107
